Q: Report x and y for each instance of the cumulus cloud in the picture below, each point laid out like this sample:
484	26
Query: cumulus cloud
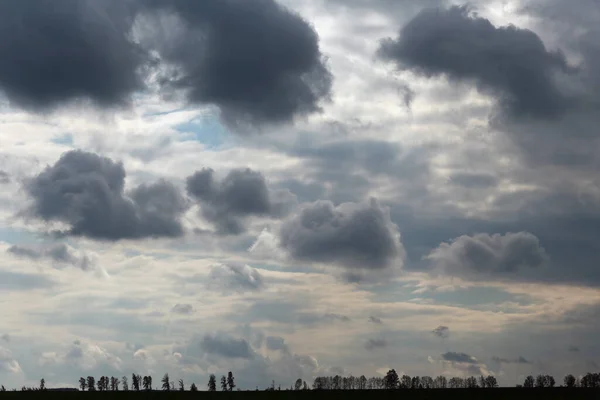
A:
54	53
7	362
373	344
462	363
356	236
184	309
441	331
488	255
242	193
226	347
518	360
86	191
82	355
511	63
237	277
58	253
276	343
256	60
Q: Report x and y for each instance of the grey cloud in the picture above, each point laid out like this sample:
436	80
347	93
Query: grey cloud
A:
184	309
375	320
373	344
518	360
276	343
20	281
573	349
489	255
337	317
240	194
256	60
441	331
59	253
355	236
473	180
4	177
459	358
86	191
5	337
510	62
51	53
237	277
227	347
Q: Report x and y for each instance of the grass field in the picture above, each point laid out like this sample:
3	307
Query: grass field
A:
422	394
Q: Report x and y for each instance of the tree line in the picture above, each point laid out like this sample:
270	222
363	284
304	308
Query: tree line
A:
390	381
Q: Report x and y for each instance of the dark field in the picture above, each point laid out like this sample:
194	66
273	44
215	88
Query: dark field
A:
486	394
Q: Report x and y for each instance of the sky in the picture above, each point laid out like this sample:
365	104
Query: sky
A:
298	188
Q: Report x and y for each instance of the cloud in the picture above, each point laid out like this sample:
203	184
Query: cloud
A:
373	344
356	236
375	320
84	356
488	255
573	349
256	60
86	191
4	177
459	358
511	63
5	337
7	362
54	53
58	253
276	343
227	347
237	277
519	360
240	194
463	364
441	331
183	309
21	281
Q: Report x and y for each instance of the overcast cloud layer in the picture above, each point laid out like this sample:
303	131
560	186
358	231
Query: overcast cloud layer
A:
293	188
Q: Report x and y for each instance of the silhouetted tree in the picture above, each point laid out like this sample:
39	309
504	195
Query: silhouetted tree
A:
166	383
230	381
441	382
82	384
549	381
193	387
529	382
415	382
212	383
100	384
456	383
42	384
147	382
2	389
114	383
125	385
405	382
298	384
223	383
391	379
490	382
427	382
471	382
570	381
181	385
91	383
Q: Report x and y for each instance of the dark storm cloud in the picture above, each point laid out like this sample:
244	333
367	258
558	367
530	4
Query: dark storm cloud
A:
55	52
489	255
183	309
511	63
240	194
518	360
59	253
86	191
237	277
227	347
472	180
459	358
353	235
441	331
373	344
255	59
